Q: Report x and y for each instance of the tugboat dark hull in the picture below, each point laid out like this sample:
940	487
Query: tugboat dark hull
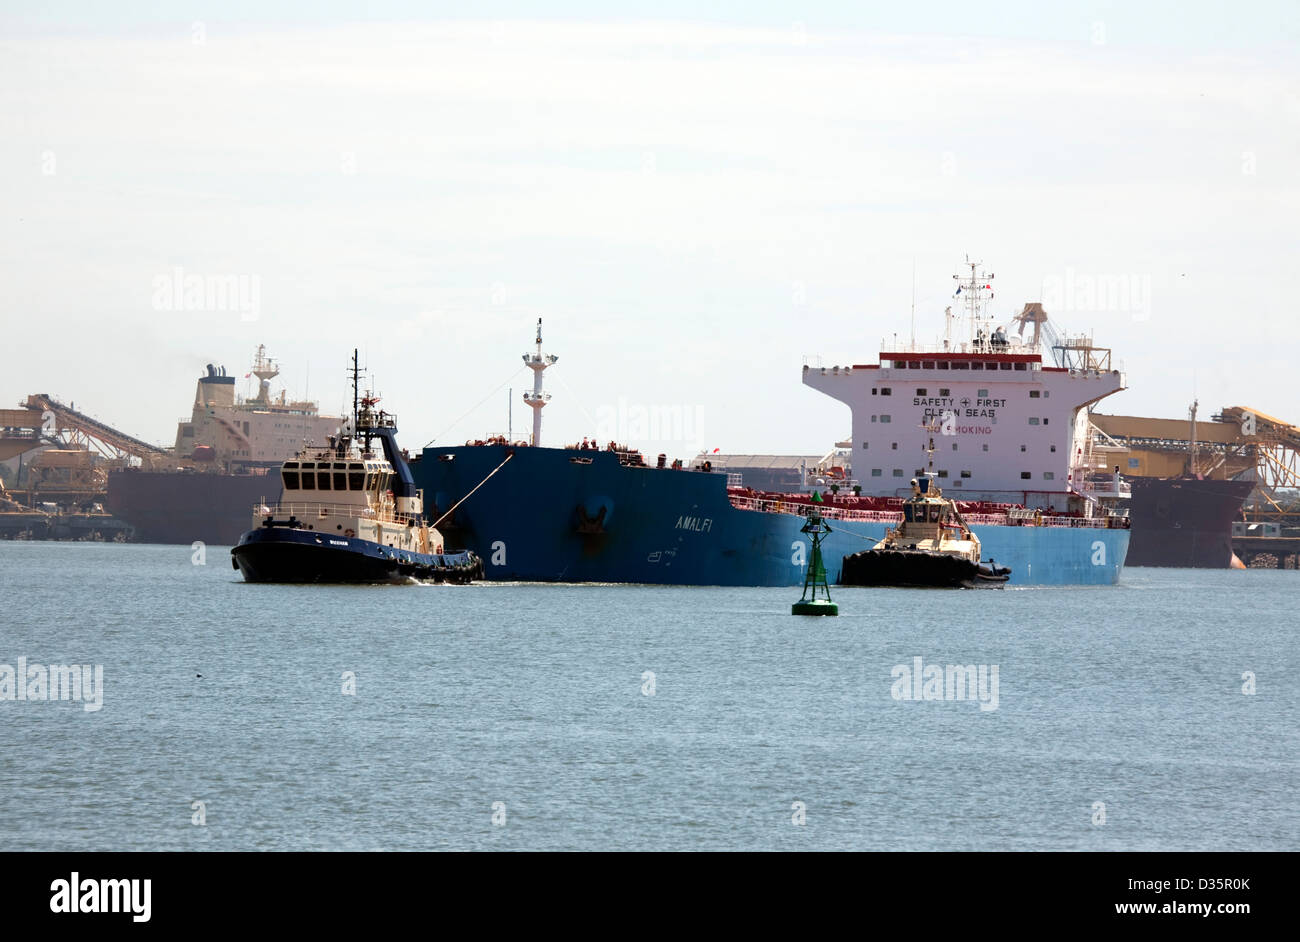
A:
282	554
918	569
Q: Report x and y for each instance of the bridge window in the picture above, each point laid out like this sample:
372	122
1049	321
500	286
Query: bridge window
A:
960	365
1005	366
943	364
323	481
340	481
290	480
914	364
308	481
927	364
1021	367
356	480
977	364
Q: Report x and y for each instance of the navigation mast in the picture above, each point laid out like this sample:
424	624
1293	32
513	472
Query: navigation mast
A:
973	289
537	400
265	369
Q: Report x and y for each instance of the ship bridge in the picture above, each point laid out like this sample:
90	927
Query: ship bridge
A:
997	414
1003	426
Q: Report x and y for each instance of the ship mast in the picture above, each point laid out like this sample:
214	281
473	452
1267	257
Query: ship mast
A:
265	370
932	426
973	288
355	373
537	400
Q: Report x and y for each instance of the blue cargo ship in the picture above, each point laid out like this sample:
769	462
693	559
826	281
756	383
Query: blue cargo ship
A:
555	514
1016	449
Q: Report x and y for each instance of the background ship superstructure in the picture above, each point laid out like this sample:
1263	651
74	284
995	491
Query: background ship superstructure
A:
231	434
223	453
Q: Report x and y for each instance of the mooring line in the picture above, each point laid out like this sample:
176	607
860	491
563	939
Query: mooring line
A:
471	493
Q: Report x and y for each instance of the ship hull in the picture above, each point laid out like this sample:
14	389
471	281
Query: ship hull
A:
554	515
1184	522
282	554
182	507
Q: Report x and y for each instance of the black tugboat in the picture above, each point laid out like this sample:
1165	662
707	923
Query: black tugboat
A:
347	514
931	548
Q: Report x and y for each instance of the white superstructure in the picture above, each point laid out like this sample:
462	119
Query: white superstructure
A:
228	431
1008	416
344	489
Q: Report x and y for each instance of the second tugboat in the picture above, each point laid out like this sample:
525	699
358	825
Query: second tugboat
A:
932	547
349	515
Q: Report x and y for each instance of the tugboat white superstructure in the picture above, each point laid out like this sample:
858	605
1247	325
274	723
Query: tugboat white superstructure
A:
347	514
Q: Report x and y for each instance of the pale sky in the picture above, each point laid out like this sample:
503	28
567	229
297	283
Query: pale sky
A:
692	204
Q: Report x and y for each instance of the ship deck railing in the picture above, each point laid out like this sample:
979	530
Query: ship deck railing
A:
1096	489
1015	518
315	511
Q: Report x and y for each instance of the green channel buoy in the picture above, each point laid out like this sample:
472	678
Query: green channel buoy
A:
815	580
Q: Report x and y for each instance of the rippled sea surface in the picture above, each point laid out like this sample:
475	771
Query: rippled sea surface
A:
631	717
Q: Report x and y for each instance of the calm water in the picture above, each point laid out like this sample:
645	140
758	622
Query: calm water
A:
532	695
